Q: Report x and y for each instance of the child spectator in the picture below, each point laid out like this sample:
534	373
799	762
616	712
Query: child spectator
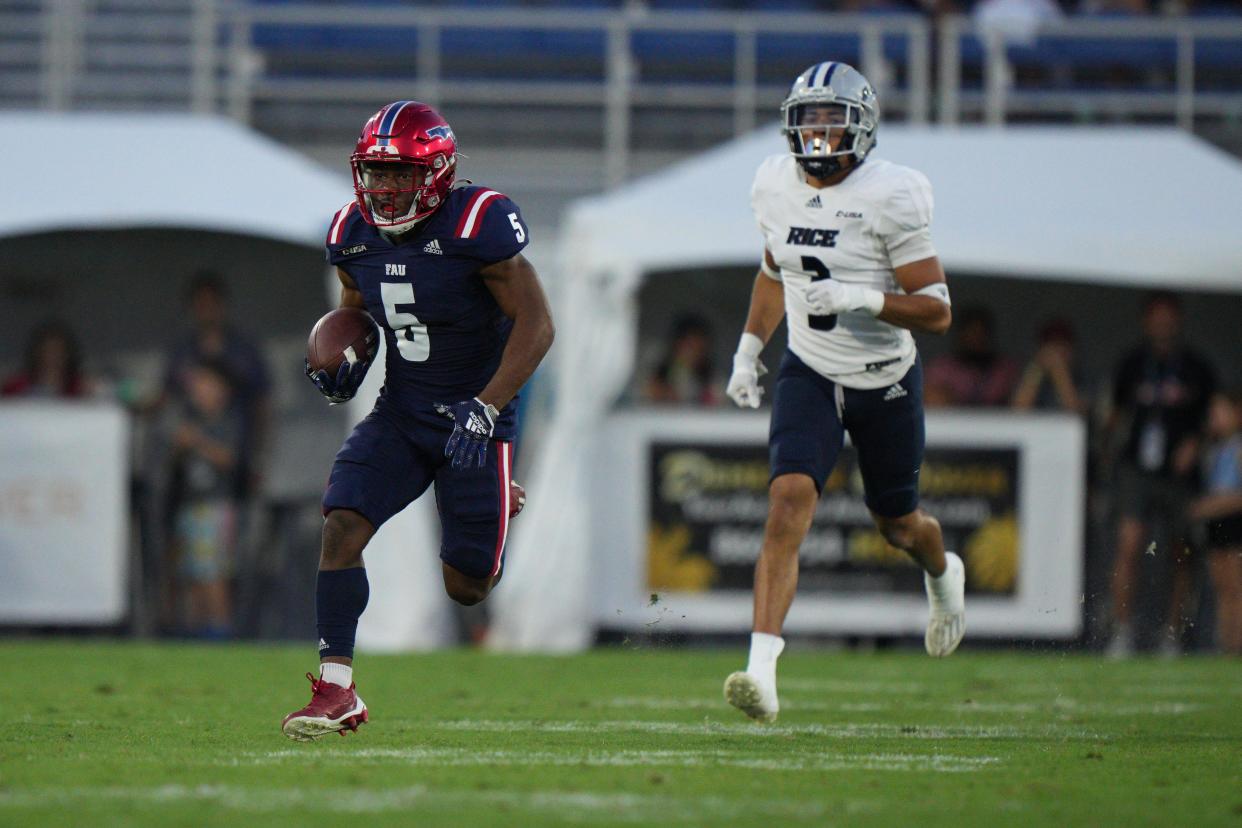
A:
1221	509
204	460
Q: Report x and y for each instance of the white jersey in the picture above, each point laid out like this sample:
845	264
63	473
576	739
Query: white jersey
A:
856	231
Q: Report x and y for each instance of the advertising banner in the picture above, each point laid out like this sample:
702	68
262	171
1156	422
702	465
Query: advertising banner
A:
64	477
708	503
678	506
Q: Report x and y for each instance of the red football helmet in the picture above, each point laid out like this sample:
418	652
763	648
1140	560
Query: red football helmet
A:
403	165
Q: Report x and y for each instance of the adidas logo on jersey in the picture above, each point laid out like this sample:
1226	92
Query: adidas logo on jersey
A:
433	246
895	392
815	202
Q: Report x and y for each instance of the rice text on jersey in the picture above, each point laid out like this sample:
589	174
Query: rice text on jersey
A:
812	236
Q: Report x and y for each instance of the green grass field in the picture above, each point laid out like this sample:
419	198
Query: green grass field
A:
121	734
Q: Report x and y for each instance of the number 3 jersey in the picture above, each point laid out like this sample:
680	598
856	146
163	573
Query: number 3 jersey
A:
444	331
876	219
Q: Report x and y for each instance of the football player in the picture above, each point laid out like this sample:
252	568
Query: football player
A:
849	261
466	322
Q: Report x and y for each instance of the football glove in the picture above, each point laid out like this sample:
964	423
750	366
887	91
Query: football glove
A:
828	296
743	387
473	424
345	384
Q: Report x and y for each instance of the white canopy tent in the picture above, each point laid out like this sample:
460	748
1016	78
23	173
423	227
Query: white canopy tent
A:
186	172
1118	206
114	171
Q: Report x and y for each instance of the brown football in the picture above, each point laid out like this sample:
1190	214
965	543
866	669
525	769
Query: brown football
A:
336	333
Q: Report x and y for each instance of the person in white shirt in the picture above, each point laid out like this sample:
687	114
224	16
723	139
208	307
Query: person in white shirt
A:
849	261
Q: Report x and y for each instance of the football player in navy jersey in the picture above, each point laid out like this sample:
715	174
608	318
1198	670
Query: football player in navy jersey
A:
466	322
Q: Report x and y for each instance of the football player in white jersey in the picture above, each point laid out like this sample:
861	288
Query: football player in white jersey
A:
849	261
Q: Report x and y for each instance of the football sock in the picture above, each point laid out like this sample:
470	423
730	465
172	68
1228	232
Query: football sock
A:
341	675
941	586
764	648
340	597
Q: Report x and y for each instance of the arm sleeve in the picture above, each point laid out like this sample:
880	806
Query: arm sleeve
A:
502	232
905	223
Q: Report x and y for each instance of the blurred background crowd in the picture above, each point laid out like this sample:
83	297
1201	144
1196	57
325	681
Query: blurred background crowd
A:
558	100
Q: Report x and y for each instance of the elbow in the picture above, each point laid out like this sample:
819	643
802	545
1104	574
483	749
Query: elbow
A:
941	324
548	334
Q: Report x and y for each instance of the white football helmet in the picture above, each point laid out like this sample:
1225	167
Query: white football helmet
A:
851	106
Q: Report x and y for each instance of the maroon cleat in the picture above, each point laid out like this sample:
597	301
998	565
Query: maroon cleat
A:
332	708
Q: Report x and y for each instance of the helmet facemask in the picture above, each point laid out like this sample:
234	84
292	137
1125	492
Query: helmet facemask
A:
822	134
398	192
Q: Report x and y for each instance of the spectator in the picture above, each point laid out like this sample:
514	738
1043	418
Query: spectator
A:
1162	389
213	337
974	374
1221	509
1052	379
51	366
204	458
685	374
1017	21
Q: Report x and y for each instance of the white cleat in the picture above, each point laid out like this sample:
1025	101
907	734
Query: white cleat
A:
753	697
947	623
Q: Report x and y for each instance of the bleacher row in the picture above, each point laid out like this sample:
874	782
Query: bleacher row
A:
464	52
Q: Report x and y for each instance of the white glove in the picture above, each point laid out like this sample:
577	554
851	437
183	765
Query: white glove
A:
743	386
828	296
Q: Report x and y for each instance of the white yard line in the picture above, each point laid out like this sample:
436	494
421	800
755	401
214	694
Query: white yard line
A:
943	763
1053	704
613	806
749	730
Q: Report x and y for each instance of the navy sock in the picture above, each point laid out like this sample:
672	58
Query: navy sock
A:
340	597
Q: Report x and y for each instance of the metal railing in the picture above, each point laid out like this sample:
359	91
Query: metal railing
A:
619	92
1000	98
210	59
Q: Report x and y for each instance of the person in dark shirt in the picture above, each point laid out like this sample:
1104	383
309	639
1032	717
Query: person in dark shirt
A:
1161	394
213	337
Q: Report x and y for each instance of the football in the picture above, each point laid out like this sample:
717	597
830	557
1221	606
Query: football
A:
345	333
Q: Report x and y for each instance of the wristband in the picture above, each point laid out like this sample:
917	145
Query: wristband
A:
872	300
750	346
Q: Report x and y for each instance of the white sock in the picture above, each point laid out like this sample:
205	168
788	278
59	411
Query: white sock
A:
764	649
341	675
941	587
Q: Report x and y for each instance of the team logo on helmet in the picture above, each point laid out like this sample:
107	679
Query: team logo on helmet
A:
403	165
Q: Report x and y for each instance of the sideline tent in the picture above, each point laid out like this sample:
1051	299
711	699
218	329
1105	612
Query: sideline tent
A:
203	175
113	171
1109	206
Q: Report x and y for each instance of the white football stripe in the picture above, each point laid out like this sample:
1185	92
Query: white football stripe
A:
482	199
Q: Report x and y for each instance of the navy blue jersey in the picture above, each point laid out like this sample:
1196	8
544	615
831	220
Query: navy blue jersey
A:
444	330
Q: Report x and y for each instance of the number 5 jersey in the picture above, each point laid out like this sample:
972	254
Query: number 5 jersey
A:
444	331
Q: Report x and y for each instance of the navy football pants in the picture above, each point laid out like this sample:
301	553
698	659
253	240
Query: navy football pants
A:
811	414
389	461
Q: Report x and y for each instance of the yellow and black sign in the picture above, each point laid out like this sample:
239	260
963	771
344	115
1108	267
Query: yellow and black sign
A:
708	504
